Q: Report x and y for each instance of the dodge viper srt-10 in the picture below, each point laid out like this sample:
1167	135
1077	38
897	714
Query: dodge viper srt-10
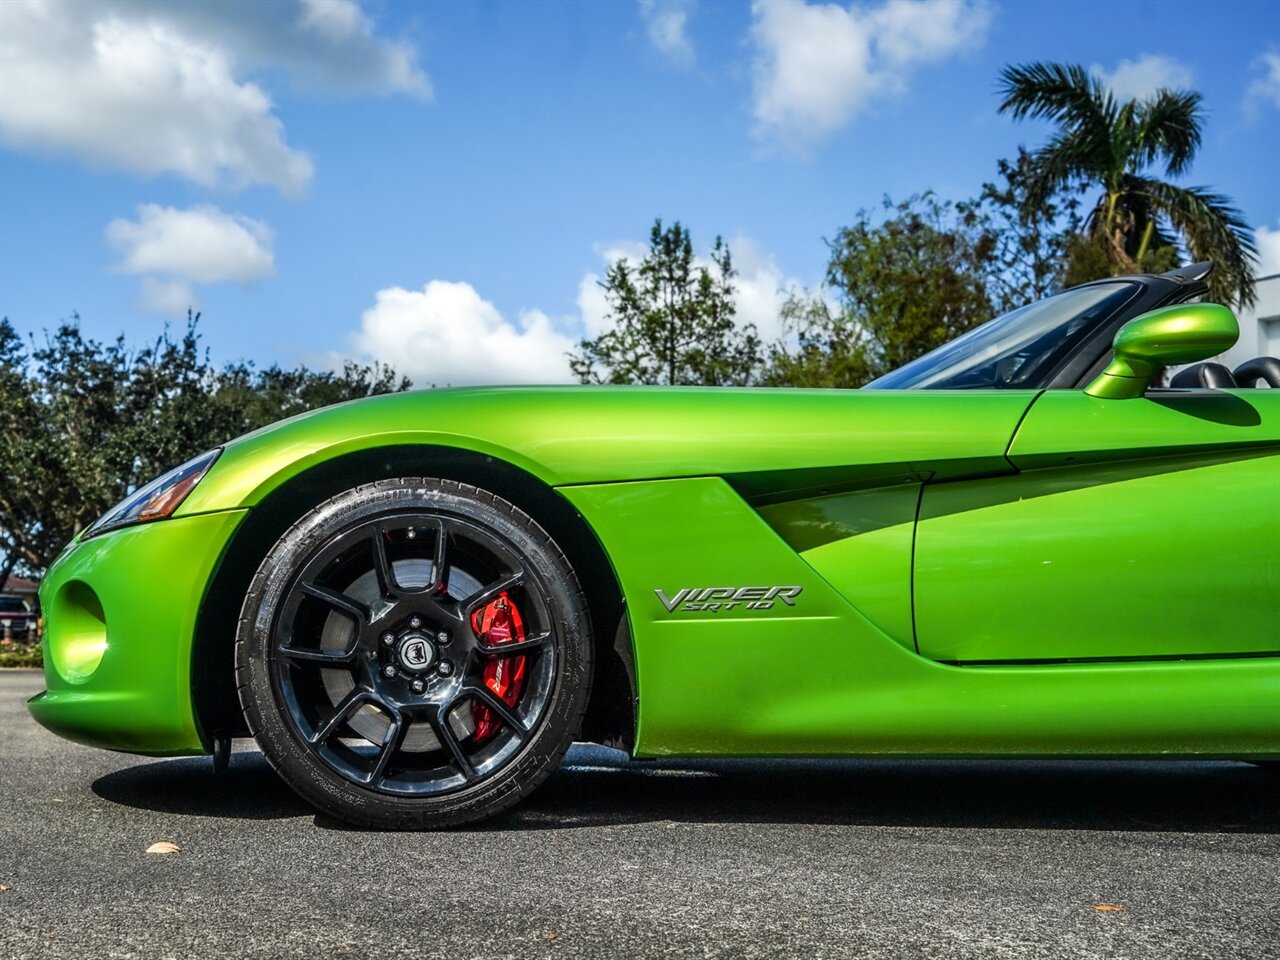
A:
1020	544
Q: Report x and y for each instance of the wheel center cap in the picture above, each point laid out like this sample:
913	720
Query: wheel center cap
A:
415	652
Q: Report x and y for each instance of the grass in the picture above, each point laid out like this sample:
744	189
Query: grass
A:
20	655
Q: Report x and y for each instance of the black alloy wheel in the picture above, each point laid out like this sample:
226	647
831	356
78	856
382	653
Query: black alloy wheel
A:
414	653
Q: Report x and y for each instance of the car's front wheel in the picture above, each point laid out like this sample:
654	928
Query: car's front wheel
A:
414	653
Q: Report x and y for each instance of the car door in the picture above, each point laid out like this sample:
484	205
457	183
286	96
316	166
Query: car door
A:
1140	528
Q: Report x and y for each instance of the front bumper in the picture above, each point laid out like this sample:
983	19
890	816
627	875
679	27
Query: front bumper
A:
120	614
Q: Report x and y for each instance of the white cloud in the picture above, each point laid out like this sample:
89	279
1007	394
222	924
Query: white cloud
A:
1268	241
172	248
156	87
201	244
593	308
1265	89
335	19
665	21
329	45
817	65
760	288
907	31
169	297
447	334
1136	79
138	96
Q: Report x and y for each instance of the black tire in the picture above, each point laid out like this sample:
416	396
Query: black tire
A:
436	772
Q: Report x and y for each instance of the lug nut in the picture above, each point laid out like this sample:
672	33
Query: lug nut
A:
418	686
415	622
389	670
445	668
443	636
388	638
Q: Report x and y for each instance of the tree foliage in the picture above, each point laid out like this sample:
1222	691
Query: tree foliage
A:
914	280
673	320
826	346
904	280
1138	219
84	422
1031	234
908	277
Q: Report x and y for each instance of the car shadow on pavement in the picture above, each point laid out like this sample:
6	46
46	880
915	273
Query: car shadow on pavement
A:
599	787
1157	796
247	790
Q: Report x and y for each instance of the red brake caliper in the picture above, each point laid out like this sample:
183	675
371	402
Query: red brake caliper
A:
496	624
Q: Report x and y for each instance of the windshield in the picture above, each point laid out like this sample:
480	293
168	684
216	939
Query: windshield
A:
1019	349
12	605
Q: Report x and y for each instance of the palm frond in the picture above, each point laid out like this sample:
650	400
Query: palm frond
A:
1064	93
1086	113
1168	127
1213	230
1067	158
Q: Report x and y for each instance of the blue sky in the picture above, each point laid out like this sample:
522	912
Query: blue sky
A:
439	185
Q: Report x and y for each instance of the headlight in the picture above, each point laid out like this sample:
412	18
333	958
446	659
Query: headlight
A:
158	499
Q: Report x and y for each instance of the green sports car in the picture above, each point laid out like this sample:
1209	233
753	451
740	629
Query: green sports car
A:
1017	545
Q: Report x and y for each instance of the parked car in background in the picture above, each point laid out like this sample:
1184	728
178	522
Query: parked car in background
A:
17	620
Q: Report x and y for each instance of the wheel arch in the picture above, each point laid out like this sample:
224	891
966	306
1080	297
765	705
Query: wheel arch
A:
611	711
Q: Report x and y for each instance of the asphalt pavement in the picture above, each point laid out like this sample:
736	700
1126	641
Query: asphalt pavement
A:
612	858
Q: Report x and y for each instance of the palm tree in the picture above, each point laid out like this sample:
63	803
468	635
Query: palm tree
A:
1101	141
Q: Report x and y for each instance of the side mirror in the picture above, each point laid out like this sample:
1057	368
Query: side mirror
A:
1171	335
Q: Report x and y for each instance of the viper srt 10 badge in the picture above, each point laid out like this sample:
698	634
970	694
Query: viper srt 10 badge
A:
715	599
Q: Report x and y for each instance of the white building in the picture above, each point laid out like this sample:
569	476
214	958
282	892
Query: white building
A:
1259	326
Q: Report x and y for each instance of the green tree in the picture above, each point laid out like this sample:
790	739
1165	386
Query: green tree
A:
904	280
673	320
830	347
20	451
62	446
1032	234
247	398
84	422
1138	218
